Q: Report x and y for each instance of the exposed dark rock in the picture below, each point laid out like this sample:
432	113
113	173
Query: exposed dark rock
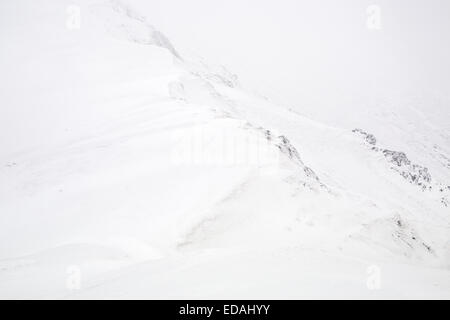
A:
414	173
310	173
369	138
427	247
286	147
399	158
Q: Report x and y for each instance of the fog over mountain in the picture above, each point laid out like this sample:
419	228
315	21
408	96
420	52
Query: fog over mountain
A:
204	149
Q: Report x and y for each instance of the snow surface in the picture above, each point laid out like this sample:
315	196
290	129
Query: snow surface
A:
147	174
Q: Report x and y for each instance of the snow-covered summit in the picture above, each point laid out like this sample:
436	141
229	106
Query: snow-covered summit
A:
124	23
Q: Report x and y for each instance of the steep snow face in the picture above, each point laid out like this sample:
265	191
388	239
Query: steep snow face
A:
124	23
124	159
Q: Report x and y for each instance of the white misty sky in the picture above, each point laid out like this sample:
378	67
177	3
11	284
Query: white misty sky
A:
293	49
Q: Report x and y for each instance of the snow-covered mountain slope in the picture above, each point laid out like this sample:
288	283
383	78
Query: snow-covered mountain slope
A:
147	174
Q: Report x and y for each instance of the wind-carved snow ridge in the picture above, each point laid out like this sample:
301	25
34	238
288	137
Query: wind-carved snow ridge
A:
207	85
195	89
124	23
216	74
414	173
287	148
278	165
199	85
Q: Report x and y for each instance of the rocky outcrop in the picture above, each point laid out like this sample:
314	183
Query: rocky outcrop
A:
413	173
288	149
